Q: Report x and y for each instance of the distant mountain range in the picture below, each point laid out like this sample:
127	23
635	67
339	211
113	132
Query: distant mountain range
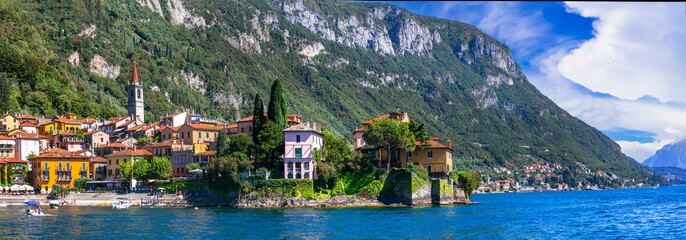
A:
671	155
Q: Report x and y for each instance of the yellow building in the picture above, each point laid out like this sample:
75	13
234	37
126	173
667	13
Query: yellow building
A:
128	156
59	124
8	123
58	166
431	154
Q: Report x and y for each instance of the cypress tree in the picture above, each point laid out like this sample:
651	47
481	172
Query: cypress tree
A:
4	93
277	106
258	118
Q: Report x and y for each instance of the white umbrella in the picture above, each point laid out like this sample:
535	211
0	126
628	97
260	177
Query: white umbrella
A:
14	188
195	171
28	188
22	188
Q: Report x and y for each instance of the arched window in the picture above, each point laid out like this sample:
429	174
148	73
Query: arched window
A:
307	175
139	93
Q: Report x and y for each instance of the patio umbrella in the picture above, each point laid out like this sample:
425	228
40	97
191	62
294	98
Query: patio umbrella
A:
22	188
14	188
28	188
195	171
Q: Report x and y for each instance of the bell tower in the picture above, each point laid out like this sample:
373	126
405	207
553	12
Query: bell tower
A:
136	106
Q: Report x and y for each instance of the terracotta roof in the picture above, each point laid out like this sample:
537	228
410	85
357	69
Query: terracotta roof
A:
432	143
175	129
131	152
300	128
129	122
135	127
231	126
28	136
26	116
114	145
87	120
5	138
359	129
248	119
204	127
123	139
63	119
99	160
70	114
89	133
58	153
26	124
172	115
206	153
12	160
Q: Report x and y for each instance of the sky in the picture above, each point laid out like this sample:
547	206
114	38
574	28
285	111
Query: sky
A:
619	67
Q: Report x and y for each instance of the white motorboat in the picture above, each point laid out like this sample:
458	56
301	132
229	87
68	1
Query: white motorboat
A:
3	204
121	205
34	209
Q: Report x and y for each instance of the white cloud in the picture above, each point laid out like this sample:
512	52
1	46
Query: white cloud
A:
639	49
613	62
642	151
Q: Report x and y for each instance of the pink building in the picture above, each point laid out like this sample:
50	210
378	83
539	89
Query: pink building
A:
301	143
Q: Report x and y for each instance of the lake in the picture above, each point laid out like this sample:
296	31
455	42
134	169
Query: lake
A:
606	214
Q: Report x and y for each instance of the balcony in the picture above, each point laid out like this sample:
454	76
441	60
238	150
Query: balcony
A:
64	169
64	179
46	169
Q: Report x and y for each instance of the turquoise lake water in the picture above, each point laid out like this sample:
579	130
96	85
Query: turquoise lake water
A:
608	214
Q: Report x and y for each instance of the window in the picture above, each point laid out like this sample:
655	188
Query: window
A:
207	134
109	162
409	154
429	154
215	135
297	138
242	130
199	134
83	166
428	168
139	93
59	166
306	166
181	135
250	128
117	162
298	153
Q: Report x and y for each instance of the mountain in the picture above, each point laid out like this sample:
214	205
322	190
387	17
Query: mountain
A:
340	62
671	155
673	174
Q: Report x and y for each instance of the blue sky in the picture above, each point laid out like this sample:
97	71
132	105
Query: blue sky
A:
617	66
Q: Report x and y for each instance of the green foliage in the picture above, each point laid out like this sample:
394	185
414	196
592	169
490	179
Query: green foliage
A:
187	186
436	88
125	169
81	183
277	111
5	93
271	146
468	181
351	183
59	190
142	170
222	144
390	135
224	174
419	131
192	166
160	168
258	117
288	187
239	143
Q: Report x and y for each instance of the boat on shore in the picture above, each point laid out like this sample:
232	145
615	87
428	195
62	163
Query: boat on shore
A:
34	209
121	205
54	204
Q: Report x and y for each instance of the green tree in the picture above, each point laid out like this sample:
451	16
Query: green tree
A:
390	135
419	131
327	175
59	190
271	146
125	169
81	183
468	181
240	143
4	93
277	110
160	168
258	118
141	170
192	166
222	144
224	174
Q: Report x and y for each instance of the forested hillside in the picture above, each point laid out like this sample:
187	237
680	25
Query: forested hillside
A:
340	62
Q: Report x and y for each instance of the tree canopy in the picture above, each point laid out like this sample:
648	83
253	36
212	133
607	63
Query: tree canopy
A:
277	111
271	146
390	135
258	118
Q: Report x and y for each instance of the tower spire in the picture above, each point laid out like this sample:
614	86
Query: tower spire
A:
135	74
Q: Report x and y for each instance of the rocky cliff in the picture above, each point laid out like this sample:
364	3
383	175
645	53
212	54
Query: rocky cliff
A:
671	155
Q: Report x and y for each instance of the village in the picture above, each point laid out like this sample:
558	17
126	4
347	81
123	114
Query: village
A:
68	153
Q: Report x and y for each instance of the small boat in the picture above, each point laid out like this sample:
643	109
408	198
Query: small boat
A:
121	205
54	204
34	209
3	204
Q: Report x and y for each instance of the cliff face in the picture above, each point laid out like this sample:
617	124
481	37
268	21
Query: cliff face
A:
340	62
671	155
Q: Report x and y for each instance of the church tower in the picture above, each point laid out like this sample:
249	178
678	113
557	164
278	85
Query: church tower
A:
135	93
